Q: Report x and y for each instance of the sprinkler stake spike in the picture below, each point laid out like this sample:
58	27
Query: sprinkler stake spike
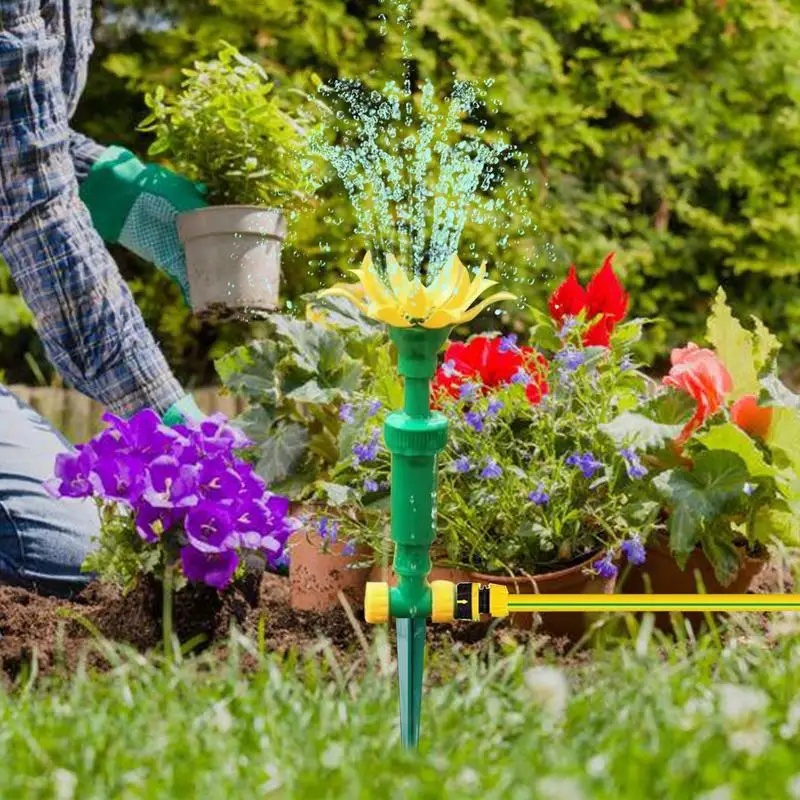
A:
410	665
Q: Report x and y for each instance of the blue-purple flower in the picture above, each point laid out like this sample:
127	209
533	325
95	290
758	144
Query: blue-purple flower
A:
71	475
539	497
634	550
521	377
495	407
508	344
467	391
492	470
364	453
475	420
214	569
570	359
328	530
633	464
374	407
462	465
208	527
605	567
371	485
346	413
586	463
448	368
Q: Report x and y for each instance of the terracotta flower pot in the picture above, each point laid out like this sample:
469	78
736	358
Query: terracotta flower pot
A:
384	574
571	580
666	577
317	577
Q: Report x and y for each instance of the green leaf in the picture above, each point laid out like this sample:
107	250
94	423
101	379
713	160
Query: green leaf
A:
282	452
783	437
779	520
731	438
543	334
340	312
767	345
632	429
778	393
249	370
735	347
627	334
338	495
312	392
669	408
256	422
723	555
697	497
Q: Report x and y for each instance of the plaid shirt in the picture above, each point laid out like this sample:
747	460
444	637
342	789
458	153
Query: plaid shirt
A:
92	331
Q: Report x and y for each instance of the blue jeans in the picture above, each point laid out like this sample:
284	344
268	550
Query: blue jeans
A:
43	541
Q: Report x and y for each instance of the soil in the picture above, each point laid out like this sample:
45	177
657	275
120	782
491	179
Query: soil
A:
58	634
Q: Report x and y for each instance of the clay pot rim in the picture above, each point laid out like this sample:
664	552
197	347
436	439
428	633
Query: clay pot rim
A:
543	577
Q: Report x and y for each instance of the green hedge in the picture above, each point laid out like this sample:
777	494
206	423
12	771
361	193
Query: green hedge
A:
665	130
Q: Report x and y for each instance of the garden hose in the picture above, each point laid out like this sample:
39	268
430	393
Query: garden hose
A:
470	601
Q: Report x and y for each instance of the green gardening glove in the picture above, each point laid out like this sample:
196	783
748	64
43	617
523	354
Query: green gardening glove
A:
137	205
185	410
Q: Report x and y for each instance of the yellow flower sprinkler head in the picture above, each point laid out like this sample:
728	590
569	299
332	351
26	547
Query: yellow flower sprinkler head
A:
404	303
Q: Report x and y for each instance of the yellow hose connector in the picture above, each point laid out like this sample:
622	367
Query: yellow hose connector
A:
376	603
498	600
443	601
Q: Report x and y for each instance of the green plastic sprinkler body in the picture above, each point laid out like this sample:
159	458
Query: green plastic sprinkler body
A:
414	436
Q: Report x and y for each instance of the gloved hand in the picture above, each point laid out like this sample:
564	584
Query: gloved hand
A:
137	205
185	410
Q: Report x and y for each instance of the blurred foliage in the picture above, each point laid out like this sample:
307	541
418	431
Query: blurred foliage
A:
665	130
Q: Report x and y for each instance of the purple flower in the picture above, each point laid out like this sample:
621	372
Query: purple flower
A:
492	470
462	465
152	522
214	569
208	527
508	344
71	475
521	377
474	420
605	567
371	485
634	550
367	452
120	478
586	463
539	496
346	413
633	464
251	484
570	359
349	548
328	530
467	391
626	364
495	407
217	481
374	407
569	324
170	484
220	435
749	489
449	368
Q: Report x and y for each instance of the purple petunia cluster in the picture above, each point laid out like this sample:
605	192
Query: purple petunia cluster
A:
185	479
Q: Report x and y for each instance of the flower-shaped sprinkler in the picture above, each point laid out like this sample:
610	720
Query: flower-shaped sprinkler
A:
420	318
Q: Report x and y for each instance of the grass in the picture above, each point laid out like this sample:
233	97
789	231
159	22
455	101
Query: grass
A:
641	720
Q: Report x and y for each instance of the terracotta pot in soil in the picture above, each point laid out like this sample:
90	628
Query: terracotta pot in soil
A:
570	580
317	577
666	577
384	574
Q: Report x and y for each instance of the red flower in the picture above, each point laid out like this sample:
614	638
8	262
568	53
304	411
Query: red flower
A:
751	417
569	299
486	361
604	300
699	372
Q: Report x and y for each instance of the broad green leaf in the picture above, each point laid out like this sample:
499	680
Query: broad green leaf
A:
627	334
669	408
722	553
636	430
338	495
784	436
766	347
543	334
282	452
778	393
695	498
731	438
249	370
256	422
341	313
778	520
735	347
312	392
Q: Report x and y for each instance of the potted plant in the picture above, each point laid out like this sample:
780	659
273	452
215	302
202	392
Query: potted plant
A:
532	492
725	462
178	506
228	129
300	383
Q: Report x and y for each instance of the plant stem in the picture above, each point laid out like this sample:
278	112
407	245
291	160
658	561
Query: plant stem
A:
166	613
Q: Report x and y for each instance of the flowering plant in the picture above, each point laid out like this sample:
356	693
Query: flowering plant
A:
530	480
722	442
174	496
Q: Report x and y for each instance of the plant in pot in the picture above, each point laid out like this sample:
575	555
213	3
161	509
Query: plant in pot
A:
299	383
179	507
228	129
532	492
725	460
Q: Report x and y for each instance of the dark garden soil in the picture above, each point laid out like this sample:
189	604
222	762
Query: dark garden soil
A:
57	635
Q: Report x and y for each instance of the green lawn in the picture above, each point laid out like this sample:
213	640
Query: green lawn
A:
635	721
